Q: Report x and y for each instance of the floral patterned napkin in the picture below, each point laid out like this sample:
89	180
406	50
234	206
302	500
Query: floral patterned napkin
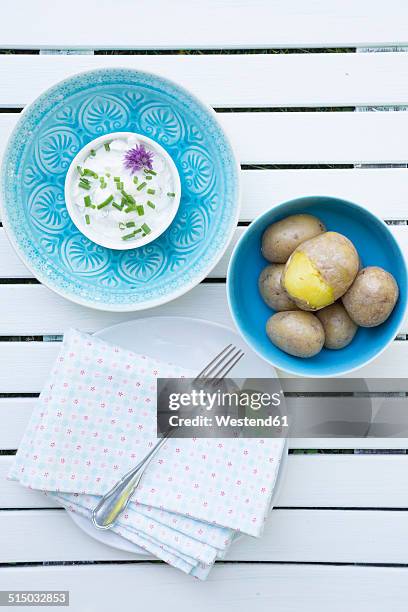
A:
96	418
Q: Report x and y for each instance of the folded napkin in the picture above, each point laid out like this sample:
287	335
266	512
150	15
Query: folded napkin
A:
96	418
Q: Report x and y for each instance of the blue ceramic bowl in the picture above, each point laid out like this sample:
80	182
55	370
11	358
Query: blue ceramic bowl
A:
49	134
376	246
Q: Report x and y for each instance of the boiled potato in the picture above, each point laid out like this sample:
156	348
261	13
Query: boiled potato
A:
320	270
339	329
280	239
271	290
296	332
372	297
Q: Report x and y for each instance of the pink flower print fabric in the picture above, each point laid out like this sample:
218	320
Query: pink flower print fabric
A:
96	418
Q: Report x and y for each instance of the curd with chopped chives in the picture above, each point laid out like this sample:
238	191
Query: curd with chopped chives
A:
109	191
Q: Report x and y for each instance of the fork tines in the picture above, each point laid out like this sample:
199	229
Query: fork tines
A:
222	363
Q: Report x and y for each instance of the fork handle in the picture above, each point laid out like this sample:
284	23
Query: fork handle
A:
114	502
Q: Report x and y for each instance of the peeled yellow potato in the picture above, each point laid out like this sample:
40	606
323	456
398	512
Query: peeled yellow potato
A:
372	297
296	332
320	271
280	239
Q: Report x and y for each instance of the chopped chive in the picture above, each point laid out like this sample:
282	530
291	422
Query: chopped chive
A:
87	200
87	219
92	152
128	197
137	231
84	185
130	224
129	209
118	206
171	194
146	228
107	174
81	172
116	178
149	177
140	210
119	185
121	225
135	180
107	147
151	191
149	203
148	171
105	202
128	236
88	172
142	186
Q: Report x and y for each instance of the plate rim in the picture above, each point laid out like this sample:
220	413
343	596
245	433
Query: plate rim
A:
159	301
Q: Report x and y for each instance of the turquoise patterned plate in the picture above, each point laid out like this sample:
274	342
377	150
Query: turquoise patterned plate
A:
49	134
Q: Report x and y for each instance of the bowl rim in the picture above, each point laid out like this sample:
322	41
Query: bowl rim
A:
303	200
75	298
69	200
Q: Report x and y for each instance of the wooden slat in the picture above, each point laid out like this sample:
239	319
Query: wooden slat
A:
305	79
304	137
383	191
11	265
16	412
313	137
36	310
336	536
309	481
230	587
211	24
47	313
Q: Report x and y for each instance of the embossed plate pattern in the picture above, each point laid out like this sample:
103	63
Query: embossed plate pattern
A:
49	134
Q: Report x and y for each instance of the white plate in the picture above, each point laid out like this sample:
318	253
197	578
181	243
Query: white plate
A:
189	343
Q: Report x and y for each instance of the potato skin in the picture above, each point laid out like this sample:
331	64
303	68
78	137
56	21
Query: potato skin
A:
339	329
269	284
296	332
372	297
280	239
337	260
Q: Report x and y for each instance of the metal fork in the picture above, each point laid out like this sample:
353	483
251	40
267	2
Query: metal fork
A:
114	502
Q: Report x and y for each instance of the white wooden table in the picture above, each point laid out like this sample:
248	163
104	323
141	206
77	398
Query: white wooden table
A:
339	538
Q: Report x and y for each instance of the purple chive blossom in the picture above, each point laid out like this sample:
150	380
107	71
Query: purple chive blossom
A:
137	158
